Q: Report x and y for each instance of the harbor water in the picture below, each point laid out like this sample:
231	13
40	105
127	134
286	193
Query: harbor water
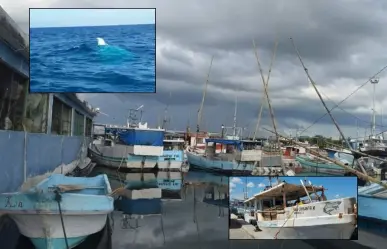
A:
187	219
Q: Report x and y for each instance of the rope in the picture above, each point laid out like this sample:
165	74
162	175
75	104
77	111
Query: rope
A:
58	198
290	215
162	224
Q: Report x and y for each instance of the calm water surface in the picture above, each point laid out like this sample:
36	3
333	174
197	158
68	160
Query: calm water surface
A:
176	226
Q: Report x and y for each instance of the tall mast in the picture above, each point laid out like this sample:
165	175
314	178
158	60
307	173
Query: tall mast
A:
200	111
235	117
268	99
263	100
373	81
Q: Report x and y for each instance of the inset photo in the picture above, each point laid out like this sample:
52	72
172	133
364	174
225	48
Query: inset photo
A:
293	208
93	50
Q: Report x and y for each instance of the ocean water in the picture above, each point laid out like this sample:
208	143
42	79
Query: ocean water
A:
69	59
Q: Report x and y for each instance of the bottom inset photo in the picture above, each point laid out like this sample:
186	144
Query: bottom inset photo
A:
293	207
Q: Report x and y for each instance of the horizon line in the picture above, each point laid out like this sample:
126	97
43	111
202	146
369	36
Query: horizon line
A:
92	25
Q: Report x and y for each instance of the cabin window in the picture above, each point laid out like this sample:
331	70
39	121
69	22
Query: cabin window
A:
89	126
61	118
79	124
13	92
36	113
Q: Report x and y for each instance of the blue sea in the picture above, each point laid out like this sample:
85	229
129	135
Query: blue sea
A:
69	59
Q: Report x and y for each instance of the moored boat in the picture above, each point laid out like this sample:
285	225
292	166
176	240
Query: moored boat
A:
60	212
317	165
281	213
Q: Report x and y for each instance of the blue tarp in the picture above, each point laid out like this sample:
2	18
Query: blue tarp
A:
236	143
142	137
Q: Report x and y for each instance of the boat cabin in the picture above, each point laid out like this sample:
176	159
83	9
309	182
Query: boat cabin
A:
240	150
174	144
274	202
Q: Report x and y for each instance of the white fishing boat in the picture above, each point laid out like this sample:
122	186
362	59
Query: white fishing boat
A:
280	213
133	147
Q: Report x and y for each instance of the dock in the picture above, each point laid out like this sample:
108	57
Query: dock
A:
240	229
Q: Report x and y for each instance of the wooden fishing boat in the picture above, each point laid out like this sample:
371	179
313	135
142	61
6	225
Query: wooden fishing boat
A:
279	217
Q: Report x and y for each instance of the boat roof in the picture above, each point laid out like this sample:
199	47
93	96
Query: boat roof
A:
174	140
229	141
292	191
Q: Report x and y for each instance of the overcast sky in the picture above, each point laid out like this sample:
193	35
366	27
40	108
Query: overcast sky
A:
342	43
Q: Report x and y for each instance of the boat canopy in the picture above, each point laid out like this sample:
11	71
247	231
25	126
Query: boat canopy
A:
292	191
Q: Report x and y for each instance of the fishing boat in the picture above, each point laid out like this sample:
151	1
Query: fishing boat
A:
314	164
281	213
133	147
60	212
238	156
372	205
173	156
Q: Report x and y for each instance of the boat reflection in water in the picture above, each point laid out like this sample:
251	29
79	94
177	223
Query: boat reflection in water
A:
208	188
170	183
187	205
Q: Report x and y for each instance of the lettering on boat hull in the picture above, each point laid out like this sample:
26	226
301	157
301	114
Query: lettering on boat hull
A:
12	204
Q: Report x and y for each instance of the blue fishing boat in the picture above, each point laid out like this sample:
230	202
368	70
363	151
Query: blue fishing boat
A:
372	208
137	148
173	156
235	156
317	165
60	212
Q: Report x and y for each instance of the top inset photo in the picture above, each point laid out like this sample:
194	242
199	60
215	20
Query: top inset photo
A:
93	50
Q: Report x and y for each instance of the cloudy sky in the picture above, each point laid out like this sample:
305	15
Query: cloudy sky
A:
340	41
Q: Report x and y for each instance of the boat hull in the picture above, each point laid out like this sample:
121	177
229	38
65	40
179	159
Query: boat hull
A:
45	231
332	231
200	162
372	209
131	162
313	167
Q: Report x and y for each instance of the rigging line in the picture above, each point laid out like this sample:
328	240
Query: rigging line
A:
337	106
323	102
346	98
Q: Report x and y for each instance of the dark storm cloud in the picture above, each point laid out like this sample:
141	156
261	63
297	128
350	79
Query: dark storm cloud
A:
341	42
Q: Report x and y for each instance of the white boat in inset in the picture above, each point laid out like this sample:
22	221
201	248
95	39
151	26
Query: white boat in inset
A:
317	218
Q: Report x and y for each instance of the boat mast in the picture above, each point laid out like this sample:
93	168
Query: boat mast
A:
373	81
269	103
235	117
200	111
323	102
263	99
165	120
